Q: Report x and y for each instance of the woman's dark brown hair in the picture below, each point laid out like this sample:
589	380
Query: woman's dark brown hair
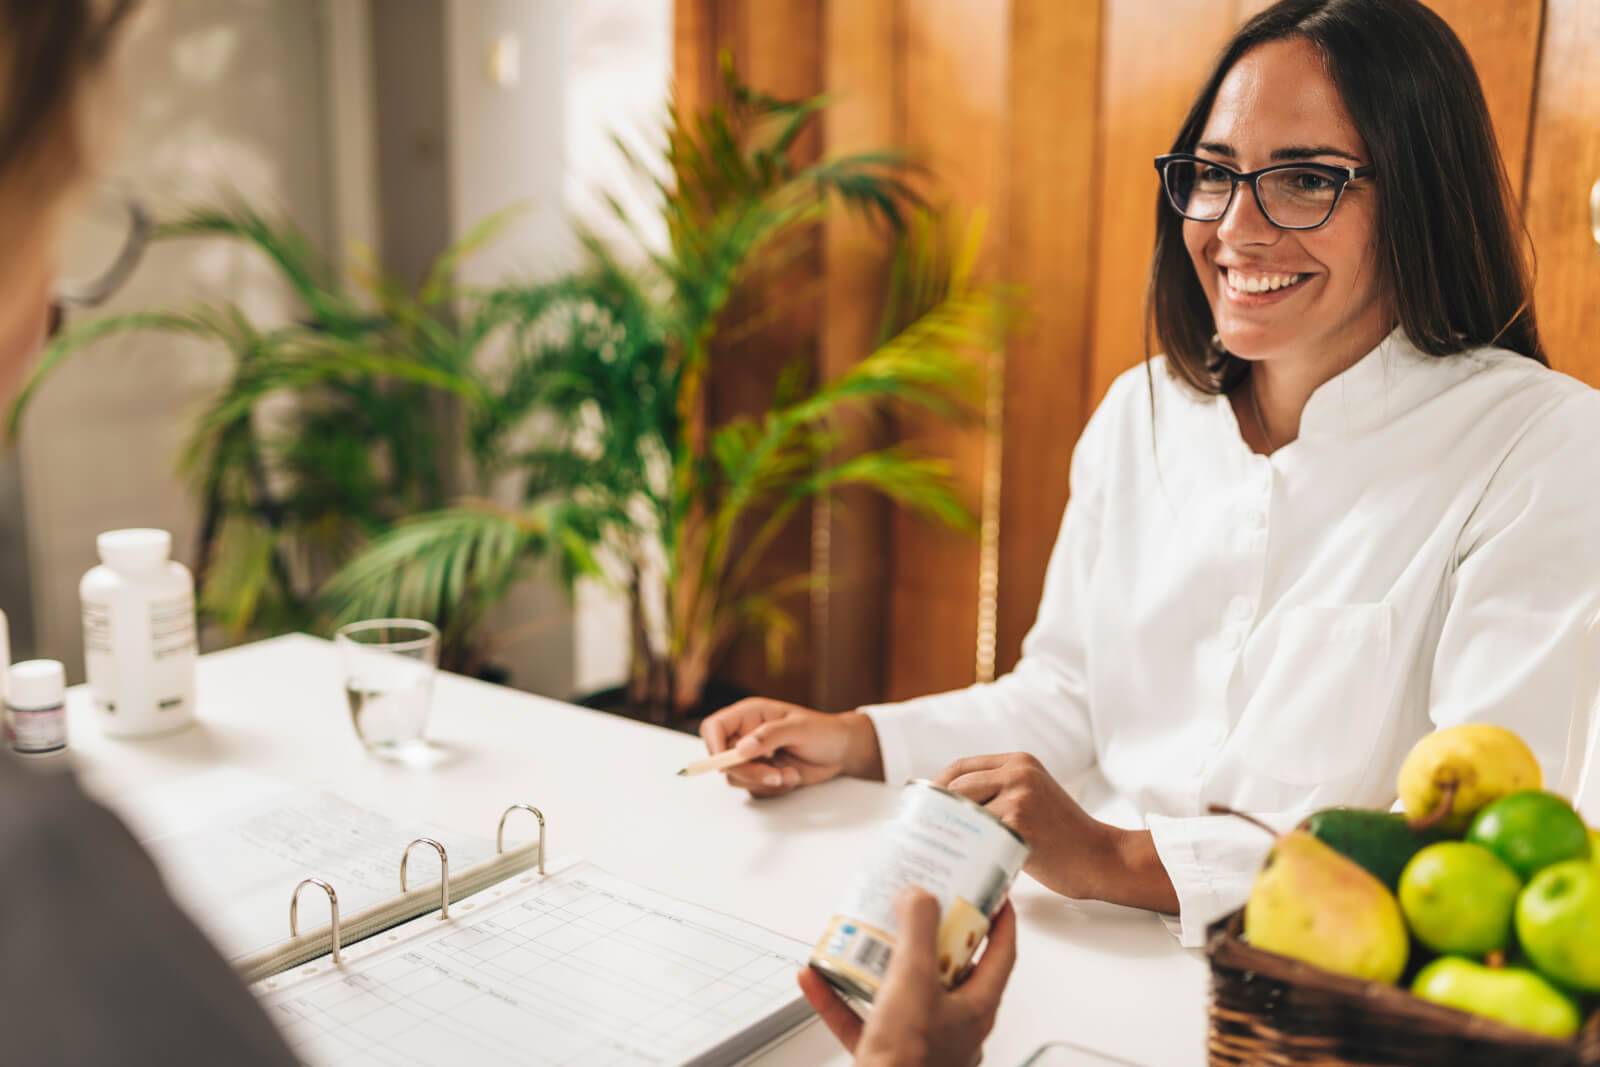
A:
48	48
1447	224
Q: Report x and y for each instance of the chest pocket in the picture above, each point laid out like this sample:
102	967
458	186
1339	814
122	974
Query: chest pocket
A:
1319	708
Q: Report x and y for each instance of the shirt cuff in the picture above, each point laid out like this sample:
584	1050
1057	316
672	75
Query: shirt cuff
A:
894	747
1210	867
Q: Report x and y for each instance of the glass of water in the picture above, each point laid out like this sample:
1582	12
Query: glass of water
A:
389	666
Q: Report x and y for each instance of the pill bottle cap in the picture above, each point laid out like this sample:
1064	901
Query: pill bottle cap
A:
130	551
36	683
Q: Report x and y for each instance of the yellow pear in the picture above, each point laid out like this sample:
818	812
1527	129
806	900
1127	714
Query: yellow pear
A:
1479	762
1313	904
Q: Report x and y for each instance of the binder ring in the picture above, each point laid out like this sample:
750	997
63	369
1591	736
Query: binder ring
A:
500	834
444	872
333	909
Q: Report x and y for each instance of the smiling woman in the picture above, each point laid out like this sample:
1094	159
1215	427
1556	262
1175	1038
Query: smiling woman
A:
1350	505
1412	224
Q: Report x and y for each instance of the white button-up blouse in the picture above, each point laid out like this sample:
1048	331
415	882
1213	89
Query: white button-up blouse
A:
1274	633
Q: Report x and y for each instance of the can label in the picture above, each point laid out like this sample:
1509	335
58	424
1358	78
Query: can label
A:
36	731
945	844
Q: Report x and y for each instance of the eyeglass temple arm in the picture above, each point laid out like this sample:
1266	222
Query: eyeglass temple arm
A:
98	291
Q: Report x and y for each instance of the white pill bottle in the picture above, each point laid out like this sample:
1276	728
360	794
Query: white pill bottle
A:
139	634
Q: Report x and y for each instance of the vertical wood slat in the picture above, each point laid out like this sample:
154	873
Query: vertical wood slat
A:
851	543
954	89
1053	105
1156	52
1563	168
777	48
694	53
1503	40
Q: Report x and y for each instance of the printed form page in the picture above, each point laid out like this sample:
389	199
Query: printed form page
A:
577	968
234	870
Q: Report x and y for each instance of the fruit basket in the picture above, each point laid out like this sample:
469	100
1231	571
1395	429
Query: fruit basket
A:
1270	1009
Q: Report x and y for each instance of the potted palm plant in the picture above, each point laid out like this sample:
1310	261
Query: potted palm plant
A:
617	357
287	498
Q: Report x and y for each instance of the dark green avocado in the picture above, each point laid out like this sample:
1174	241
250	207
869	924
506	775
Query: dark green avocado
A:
1381	841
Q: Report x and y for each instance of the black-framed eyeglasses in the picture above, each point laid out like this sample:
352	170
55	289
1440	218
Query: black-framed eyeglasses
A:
1293	196
103	244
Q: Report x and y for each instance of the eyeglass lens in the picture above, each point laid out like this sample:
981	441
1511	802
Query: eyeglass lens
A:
1296	197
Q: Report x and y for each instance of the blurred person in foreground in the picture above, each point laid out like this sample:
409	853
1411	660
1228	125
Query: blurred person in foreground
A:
100	965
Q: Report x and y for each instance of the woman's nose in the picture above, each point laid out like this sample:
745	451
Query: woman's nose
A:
1244	223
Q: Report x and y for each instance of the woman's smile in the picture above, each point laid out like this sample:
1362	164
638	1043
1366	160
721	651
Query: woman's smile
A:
1261	288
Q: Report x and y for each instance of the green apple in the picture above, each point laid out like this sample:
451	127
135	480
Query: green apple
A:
1530	830
1512	995
1558	923
1459	898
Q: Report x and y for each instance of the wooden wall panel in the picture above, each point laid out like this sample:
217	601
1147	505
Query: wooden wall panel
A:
954	70
1563	175
1155	54
1053	104
777	48
1503	40
852	533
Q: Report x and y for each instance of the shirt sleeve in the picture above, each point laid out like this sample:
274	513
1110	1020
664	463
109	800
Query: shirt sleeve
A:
1212	861
1520	645
1042	706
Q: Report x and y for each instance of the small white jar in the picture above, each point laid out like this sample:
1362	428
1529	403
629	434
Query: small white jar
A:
36	703
139	635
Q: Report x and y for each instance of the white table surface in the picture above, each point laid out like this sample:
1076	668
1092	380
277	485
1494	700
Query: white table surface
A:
1107	978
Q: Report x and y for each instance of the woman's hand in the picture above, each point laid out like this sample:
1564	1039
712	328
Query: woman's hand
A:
794	746
916	1022
1069	851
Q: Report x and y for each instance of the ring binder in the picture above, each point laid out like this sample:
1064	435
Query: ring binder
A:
500	834
444	872
410	904
333	909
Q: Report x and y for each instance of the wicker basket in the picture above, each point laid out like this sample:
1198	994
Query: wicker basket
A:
1269	1009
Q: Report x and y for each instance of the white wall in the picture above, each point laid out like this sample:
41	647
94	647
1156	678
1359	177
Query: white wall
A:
218	95
585	71
619	77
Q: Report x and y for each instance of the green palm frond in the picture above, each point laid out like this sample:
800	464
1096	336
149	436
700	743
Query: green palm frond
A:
81	335
239	574
438	284
287	247
430	566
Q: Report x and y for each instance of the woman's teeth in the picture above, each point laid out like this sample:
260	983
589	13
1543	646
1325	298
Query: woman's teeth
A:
1260	283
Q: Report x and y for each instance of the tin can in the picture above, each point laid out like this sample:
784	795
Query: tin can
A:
945	844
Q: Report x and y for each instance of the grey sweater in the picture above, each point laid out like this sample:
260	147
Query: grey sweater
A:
97	964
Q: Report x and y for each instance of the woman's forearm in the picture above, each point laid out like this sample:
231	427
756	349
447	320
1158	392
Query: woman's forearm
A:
1135	874
864	758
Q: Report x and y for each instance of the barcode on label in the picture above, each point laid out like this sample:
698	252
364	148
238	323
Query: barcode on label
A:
872	955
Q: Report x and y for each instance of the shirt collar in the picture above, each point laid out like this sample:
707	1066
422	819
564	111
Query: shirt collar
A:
1382	385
